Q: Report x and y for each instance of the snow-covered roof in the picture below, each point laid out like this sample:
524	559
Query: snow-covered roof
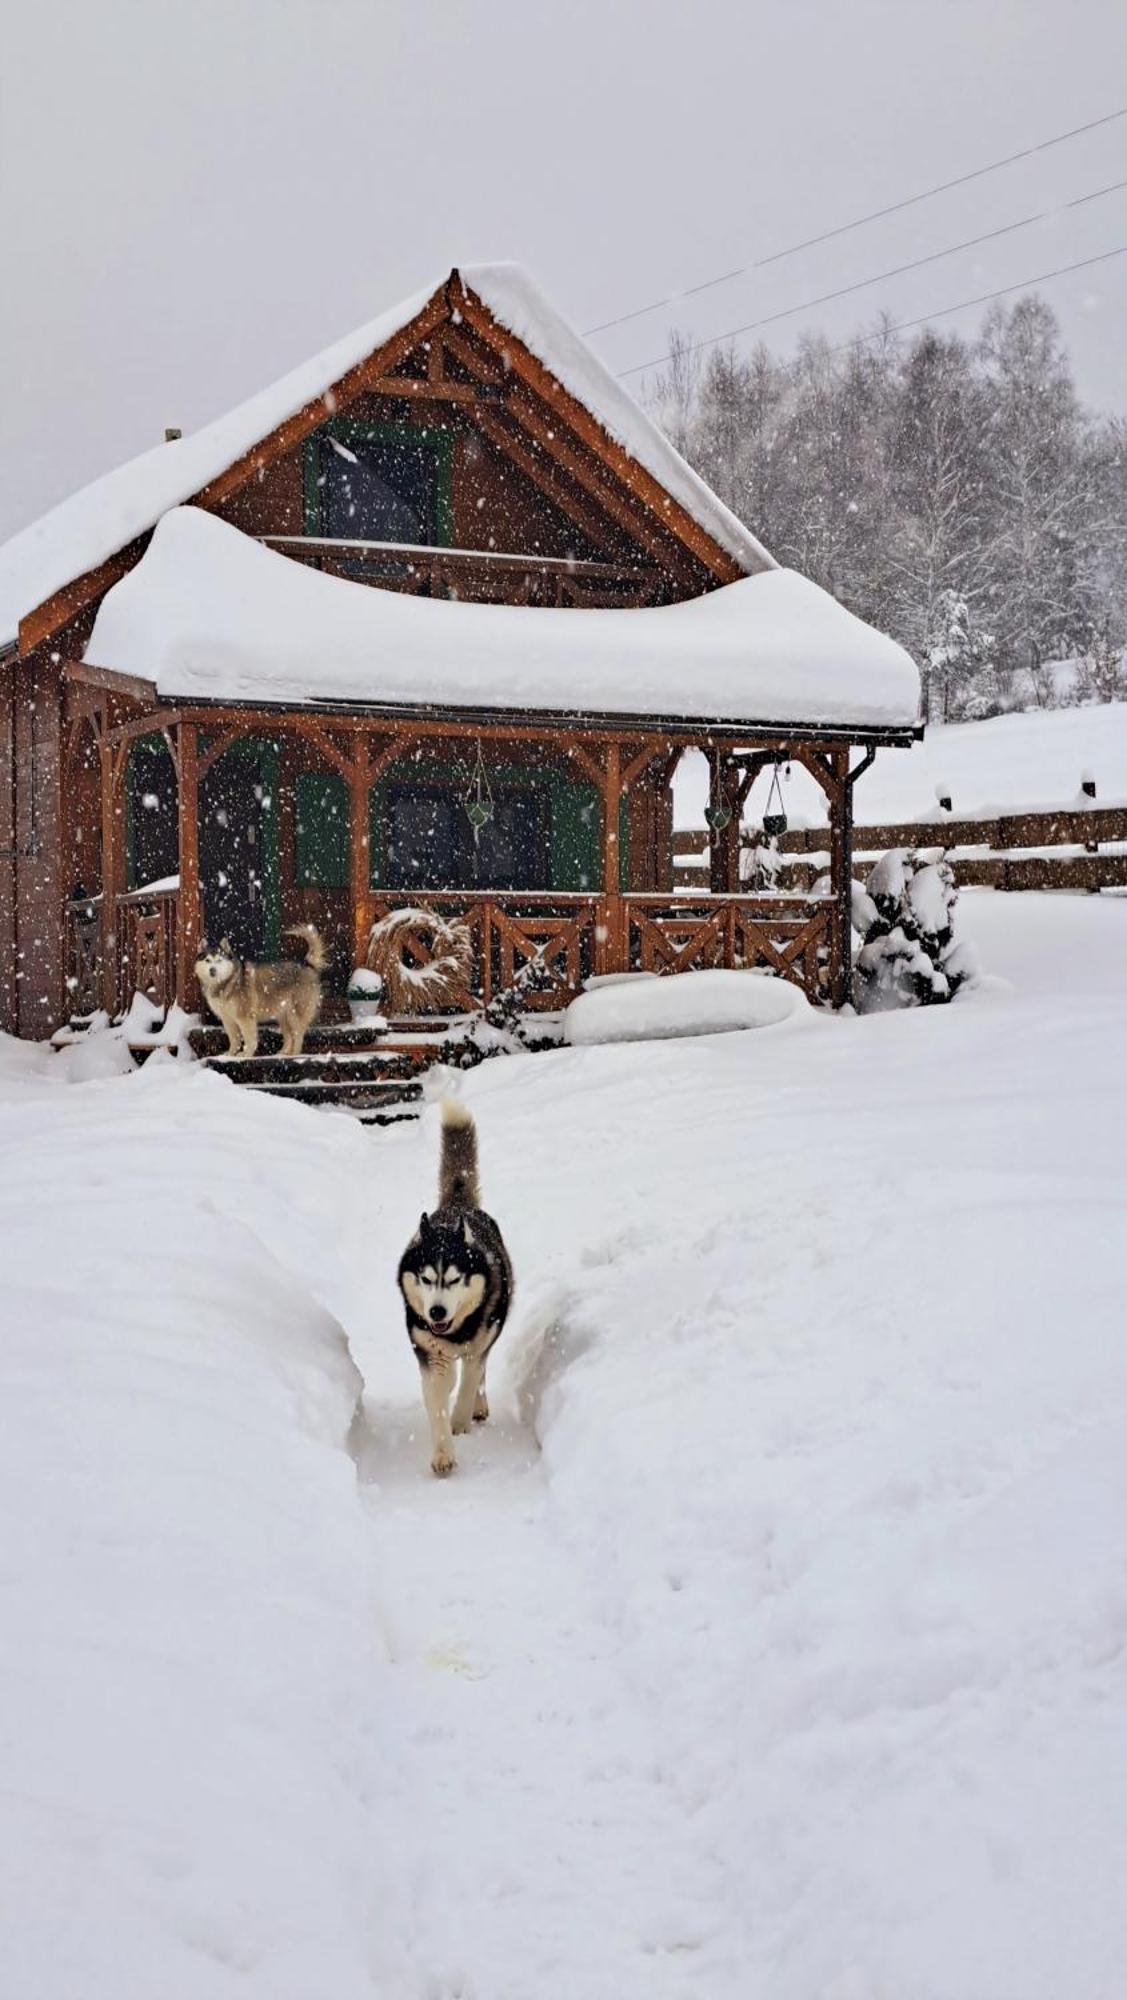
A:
93	524
208	612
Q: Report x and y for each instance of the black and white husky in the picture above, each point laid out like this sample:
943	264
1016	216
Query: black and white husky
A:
457	1286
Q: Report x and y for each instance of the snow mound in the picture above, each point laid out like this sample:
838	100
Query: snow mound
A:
694	1003
210	612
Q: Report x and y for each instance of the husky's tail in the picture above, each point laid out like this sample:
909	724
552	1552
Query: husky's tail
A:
457	1172
315	954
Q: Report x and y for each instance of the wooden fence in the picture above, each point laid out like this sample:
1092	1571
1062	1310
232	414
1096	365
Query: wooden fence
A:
1070	849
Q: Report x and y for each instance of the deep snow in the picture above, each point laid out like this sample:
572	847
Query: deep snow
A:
772	1644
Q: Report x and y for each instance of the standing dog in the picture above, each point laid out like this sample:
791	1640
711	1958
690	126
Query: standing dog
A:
242	994
457	1286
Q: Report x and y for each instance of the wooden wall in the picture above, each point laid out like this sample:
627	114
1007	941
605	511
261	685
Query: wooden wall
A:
8	1021
40	887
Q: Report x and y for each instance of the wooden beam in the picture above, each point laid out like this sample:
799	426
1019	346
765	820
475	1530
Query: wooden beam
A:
359	842
130	686
112	876
640	523
545	476
225	741
412	389
640	483
189	928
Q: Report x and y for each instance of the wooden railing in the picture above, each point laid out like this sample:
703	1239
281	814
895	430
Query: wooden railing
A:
145	950
1079	849
480	575
574	936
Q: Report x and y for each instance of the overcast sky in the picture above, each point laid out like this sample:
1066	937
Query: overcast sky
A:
197	194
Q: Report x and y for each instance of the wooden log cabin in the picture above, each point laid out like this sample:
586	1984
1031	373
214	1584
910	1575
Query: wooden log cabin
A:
429	622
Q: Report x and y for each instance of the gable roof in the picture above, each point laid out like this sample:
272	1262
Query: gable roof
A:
210	614
94	525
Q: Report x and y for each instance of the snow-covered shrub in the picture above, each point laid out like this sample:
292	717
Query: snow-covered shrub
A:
908	955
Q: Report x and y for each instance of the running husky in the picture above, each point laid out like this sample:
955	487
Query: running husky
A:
242	994
457	1286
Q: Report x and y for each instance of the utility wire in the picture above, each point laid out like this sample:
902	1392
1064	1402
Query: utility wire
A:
859	222
896	271
984	298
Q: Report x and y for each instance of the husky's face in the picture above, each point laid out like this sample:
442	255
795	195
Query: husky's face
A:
215	965
440	1283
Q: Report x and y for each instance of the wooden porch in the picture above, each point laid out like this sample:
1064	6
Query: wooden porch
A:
122	939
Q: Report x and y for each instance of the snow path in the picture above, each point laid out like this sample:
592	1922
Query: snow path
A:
772	1644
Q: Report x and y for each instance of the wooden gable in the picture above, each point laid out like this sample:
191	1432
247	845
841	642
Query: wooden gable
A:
535	467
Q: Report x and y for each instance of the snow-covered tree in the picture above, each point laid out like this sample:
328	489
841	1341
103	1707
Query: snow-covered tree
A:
908	955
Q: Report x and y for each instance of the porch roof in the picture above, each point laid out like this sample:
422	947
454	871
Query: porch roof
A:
210	614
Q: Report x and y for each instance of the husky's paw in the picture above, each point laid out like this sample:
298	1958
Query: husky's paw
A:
442	1461
459	1425
481	1408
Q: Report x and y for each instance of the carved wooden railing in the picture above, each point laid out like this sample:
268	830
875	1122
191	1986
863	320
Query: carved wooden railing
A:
146	941
575	935
509	932
82	924
480	575
145	949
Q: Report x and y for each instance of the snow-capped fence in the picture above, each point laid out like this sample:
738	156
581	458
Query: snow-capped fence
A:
1068	849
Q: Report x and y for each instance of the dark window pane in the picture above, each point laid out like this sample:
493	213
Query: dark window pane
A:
379	492
431	843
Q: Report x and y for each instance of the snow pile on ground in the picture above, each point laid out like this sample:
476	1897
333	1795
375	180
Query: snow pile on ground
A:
209	611
190	1627
1035	760
769	1646
695	1003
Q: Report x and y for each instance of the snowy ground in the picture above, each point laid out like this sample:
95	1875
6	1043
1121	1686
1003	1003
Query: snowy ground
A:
1032	760
770	1647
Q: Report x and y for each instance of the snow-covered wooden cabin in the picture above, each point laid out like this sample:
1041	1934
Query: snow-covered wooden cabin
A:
431	620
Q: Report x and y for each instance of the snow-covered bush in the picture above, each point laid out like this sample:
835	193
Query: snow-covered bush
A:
908	955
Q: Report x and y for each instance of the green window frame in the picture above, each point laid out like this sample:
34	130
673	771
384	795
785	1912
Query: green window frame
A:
351	431
321	834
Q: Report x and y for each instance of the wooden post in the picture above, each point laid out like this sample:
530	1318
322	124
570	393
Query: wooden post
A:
359	841
723	840
112	874
841	880
189	929
610	947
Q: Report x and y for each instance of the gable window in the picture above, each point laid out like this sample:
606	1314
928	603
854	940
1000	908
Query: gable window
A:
387	485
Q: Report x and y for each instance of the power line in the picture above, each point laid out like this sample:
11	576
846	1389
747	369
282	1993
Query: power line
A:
984	298
896	271
859	222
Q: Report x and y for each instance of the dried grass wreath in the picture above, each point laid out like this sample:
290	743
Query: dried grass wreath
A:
435	985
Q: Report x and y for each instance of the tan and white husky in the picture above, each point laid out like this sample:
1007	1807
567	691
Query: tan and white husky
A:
242	994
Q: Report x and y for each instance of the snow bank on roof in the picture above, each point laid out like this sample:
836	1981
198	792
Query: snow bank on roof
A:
211	613
102	518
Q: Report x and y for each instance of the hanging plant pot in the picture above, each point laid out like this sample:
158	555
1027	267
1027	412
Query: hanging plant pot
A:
774	819
478	801
718	817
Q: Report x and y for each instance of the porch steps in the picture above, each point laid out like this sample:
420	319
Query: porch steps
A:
358	1071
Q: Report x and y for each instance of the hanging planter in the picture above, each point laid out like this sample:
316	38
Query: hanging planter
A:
718	817
775	818
478	801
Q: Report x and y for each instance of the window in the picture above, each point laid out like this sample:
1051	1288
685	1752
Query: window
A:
380	489
320	831
154	831
430	841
